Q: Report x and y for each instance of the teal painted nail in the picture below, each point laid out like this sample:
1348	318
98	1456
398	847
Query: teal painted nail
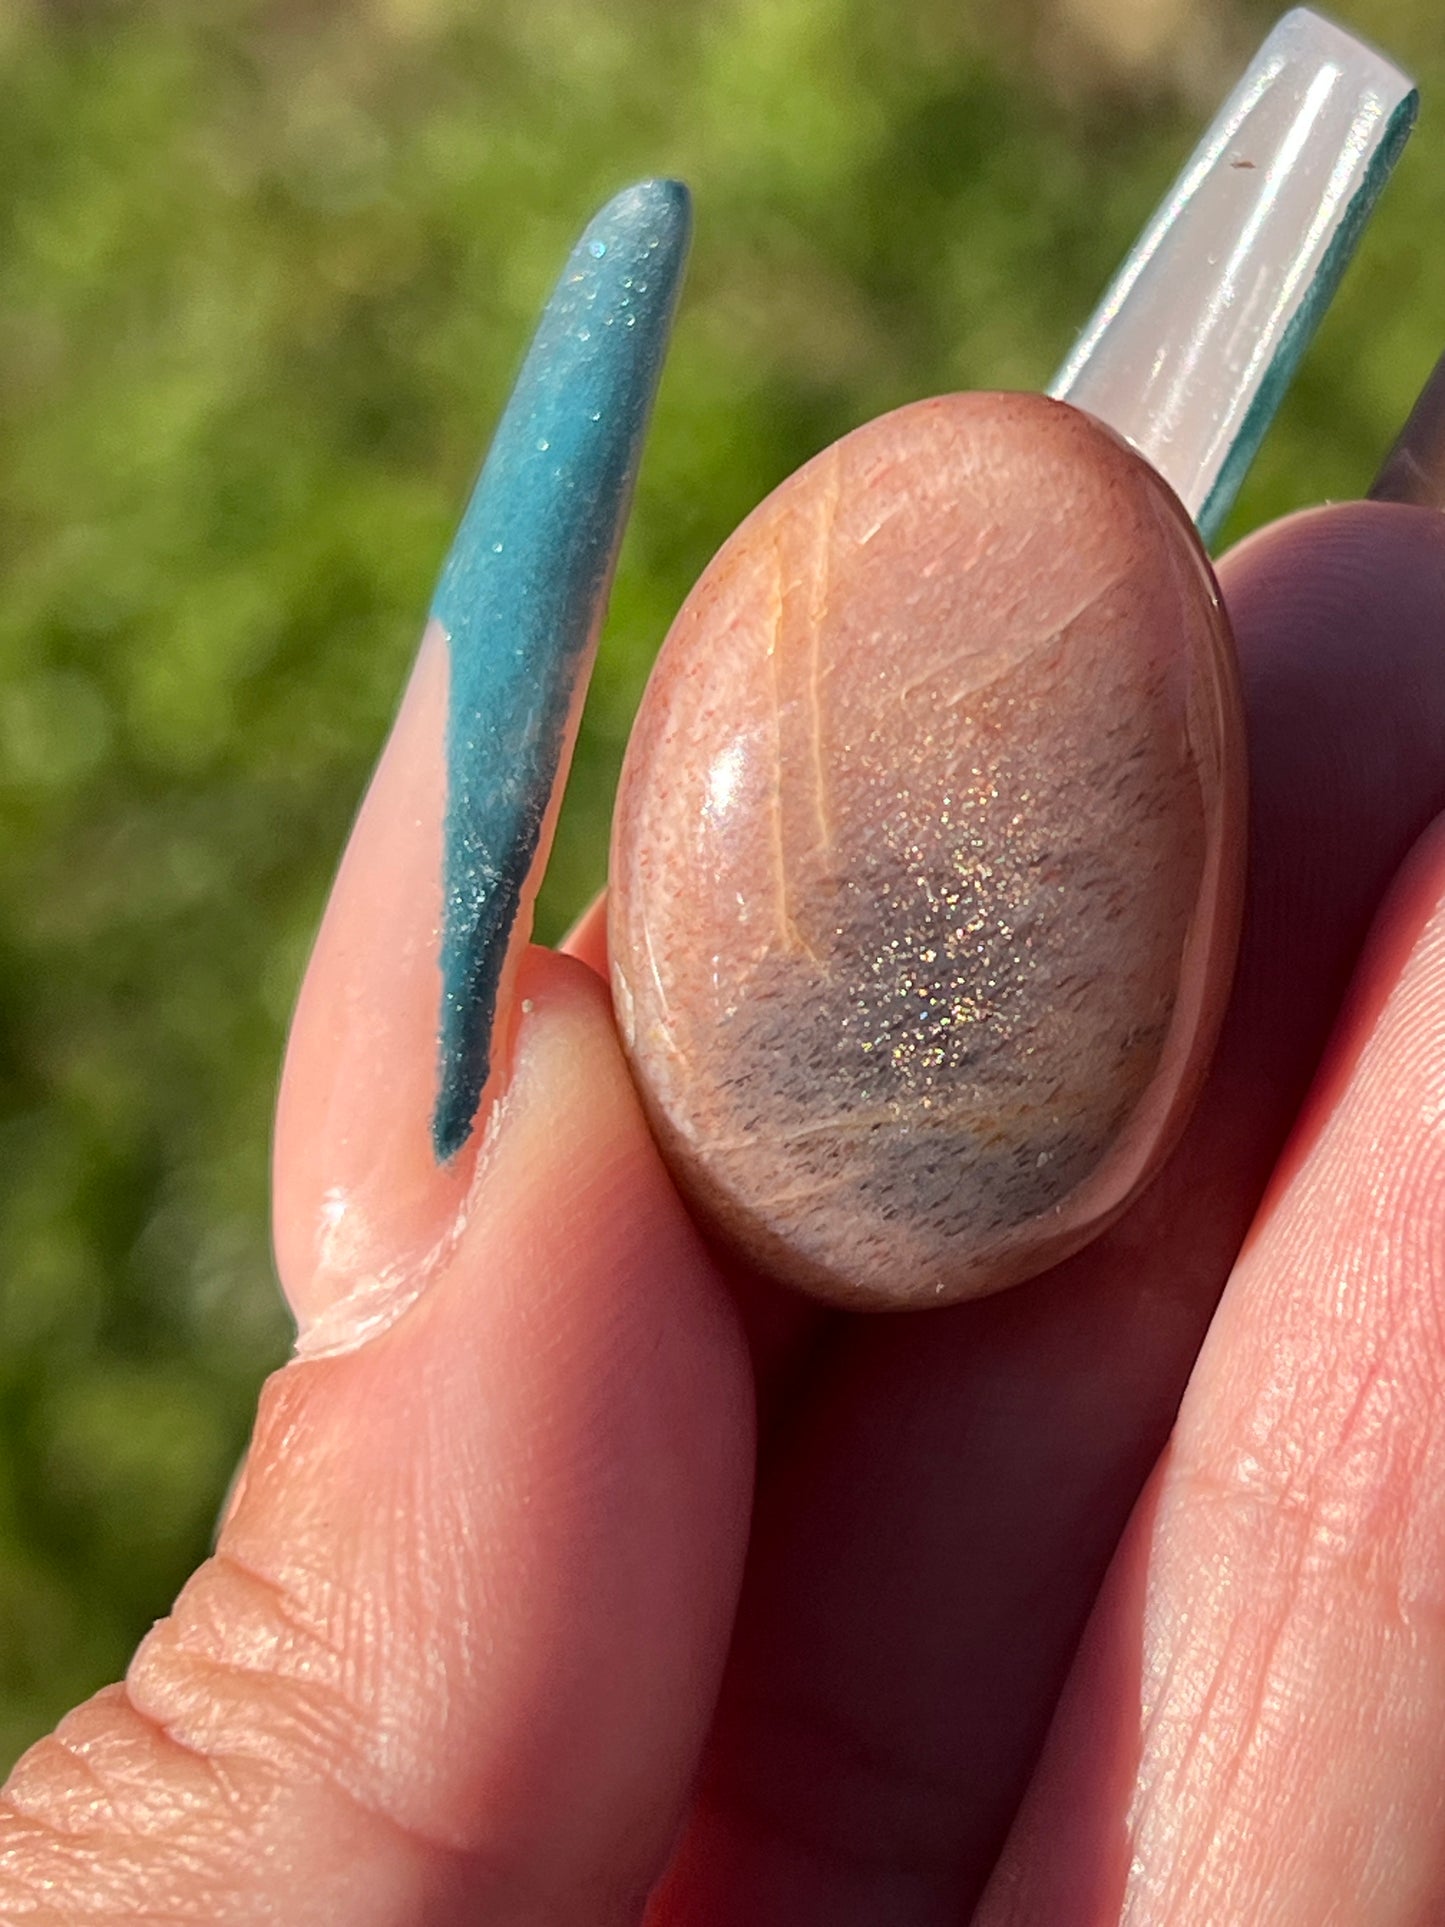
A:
524	589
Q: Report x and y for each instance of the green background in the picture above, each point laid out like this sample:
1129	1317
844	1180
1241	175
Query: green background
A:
266	271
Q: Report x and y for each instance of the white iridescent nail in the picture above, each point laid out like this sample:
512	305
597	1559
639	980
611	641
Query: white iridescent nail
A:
1192	347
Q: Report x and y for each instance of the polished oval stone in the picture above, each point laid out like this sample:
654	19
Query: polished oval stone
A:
927	860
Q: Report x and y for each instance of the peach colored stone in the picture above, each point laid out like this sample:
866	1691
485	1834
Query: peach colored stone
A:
928	854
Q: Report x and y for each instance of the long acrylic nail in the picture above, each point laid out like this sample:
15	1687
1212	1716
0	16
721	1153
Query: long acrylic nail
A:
1193	346
405	1012
523	592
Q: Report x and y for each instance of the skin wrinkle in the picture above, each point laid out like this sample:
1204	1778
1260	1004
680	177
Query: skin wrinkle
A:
1337	1459
35	1874
287	1608
1390	1359
1320	1548
526	1912
365	1750
171	1682
483	1876
1184	1783
1224	1813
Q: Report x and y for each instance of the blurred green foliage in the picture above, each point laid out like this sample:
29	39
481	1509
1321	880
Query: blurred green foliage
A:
265	272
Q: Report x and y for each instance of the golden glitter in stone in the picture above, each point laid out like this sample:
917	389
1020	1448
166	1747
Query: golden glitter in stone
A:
927	859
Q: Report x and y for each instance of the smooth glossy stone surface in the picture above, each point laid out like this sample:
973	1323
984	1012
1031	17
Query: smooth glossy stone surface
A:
928	854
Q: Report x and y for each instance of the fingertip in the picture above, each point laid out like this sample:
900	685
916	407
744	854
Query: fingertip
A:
1298	572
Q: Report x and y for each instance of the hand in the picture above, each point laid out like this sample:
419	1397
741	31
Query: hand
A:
500	1626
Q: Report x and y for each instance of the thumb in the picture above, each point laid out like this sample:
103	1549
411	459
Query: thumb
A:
456	1650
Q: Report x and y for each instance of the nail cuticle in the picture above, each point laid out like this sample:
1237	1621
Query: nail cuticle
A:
375	1299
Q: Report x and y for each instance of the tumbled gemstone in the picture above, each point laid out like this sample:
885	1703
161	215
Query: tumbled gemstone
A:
927	856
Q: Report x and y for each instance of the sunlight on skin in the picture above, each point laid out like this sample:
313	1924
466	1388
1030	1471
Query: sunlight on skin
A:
1256	1725
476	1582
